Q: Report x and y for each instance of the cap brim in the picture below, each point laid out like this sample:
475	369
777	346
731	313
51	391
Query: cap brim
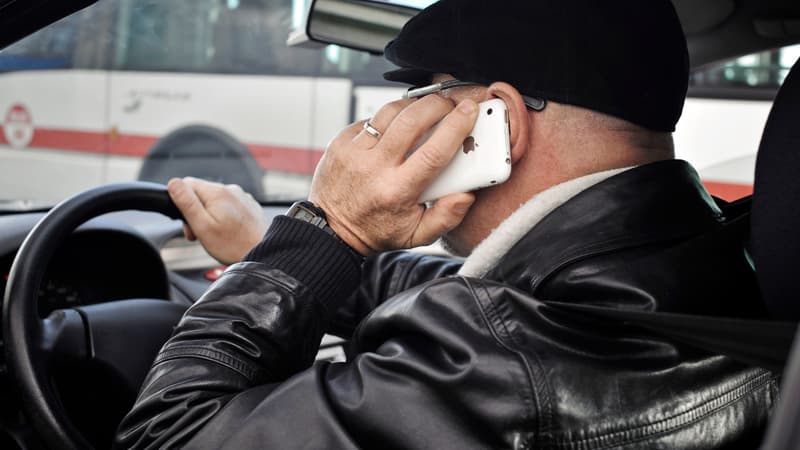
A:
408	75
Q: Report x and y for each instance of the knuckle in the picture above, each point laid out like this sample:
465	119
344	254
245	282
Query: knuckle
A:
199	227
224	192
404	123
187	205
457	122
393	108
432	155
390	196
448	221
348	133
214	227
386	197
440	102
436	106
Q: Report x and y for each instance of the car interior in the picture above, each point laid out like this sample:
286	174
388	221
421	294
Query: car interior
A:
72	369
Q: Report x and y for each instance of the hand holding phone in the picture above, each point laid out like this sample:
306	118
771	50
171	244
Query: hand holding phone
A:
370	194
484	158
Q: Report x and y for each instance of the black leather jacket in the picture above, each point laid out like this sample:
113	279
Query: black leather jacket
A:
442	361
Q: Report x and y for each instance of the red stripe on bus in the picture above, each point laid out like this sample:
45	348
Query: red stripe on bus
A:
728	191
131	145
287	159
269	157
85	141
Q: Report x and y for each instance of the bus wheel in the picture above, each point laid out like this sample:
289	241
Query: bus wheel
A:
203	152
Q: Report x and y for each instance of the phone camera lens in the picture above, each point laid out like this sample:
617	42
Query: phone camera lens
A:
489	112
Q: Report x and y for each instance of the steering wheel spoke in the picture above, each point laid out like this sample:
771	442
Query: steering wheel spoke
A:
63	338
125	335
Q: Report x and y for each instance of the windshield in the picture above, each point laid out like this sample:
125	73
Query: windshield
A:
148	90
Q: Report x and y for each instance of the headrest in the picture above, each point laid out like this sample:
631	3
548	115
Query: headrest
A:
775	219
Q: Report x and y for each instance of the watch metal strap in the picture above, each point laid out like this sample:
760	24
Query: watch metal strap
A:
311	213
314	215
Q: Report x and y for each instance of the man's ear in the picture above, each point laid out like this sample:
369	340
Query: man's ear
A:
519	121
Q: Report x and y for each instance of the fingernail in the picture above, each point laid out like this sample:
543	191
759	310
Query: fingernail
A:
468	106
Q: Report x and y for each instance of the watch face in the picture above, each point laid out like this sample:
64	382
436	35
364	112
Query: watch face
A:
313	209
307	211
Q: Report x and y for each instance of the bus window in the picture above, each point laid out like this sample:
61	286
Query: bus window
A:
171	35
250	37
339	62
756	76
210	36
230	36
359	66
78	41
51	48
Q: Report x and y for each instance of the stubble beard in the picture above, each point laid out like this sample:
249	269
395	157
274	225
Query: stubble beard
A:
451	245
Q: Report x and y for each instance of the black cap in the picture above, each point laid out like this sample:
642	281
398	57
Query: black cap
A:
626	58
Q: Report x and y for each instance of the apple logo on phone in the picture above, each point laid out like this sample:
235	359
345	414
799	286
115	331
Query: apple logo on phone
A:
469	145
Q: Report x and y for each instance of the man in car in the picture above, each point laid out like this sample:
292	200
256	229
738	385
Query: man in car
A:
482	354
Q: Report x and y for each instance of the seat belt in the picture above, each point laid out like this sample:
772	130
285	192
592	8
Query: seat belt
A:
763	343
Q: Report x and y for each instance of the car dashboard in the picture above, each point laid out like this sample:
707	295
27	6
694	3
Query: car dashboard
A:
95	266
118	256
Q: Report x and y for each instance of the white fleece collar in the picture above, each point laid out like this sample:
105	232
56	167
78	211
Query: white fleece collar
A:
518	224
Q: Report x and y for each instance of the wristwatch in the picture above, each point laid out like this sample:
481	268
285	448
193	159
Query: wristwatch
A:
313	214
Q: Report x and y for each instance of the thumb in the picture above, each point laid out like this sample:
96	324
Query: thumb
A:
442	217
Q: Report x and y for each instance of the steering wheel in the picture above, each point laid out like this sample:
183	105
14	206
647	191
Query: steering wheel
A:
124	336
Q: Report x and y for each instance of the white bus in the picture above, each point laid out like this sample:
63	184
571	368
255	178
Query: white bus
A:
224	98
153	89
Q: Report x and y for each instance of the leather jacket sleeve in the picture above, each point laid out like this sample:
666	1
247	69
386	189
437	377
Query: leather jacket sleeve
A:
383	276
253	327
237	371
236	375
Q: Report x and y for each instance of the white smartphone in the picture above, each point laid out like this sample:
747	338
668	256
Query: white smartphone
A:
483	160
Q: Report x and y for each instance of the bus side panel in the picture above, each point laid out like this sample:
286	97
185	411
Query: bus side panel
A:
268	114
369	99
713	131
53	121
330	112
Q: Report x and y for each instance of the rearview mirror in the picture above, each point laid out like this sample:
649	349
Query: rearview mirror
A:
357	24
